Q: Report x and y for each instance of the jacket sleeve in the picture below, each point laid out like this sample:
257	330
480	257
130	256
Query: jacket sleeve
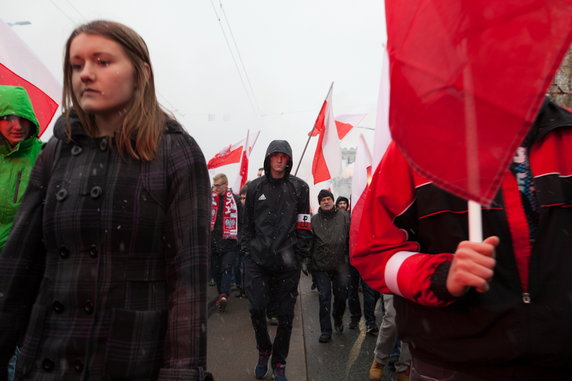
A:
303	228
186	250
247	226
22	264
388	260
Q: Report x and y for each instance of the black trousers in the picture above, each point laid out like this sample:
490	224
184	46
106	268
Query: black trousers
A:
281	285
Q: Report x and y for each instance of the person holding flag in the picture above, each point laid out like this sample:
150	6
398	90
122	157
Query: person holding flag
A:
276	239
495	310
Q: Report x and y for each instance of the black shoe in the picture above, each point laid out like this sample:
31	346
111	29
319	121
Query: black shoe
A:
325	337
339	327
354	324
372	330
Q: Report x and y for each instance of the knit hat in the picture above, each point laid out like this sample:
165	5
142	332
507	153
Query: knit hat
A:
325	193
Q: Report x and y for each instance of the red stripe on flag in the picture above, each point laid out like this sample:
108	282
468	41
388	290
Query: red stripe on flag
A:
225	158
44	106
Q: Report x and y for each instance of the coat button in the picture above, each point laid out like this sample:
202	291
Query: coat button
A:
95	192
93	251
77	365
88	307
76	150
64	252
48	365
103	145
61	195
58	307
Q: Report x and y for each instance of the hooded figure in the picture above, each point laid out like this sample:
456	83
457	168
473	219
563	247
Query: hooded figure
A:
18	152
275	240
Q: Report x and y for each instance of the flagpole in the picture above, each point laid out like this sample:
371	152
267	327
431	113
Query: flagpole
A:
311	133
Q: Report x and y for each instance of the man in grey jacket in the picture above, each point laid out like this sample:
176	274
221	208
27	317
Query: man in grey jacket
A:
329	262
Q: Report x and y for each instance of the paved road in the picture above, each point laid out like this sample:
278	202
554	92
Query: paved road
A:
232	350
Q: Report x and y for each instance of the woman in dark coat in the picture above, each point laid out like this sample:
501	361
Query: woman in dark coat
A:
104	275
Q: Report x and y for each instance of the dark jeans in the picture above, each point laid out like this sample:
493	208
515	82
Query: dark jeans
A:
326	282
223	264
280	284
370	298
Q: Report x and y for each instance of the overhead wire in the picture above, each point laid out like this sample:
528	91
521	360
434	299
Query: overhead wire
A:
238	69
240	58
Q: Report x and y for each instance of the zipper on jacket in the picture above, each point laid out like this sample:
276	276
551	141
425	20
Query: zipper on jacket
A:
526	298
18	180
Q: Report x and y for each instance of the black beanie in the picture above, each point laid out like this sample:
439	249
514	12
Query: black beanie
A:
325	193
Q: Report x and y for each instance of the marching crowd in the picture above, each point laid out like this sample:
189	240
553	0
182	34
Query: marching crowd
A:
105	243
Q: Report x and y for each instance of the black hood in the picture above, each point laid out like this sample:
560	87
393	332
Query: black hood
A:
549	117
278	146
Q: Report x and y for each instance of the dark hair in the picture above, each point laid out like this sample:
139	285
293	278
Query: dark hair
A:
144	118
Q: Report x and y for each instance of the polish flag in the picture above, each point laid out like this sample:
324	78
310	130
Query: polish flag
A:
230	154
244	161
345	123
362	173
327	162
19	66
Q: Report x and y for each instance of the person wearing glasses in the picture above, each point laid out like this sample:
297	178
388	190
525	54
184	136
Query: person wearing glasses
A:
225	216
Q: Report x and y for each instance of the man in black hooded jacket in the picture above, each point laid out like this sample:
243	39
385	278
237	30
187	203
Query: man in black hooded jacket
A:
277	235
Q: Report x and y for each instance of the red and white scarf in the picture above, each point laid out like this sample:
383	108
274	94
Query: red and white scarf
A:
229	217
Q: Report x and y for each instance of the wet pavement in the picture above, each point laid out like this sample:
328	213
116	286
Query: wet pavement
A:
232	352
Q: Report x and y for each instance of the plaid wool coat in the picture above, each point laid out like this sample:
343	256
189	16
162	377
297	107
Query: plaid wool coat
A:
104	275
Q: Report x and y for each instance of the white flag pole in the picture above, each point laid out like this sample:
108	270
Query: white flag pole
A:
475	222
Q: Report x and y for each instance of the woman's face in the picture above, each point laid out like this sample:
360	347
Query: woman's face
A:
103	77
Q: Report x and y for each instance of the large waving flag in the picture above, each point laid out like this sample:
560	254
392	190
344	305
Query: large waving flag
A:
230	154
327	162
467	80
19	66
242	176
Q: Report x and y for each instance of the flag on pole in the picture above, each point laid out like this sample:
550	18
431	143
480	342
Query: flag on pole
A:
230	154
346	122
244	161
327	162
362	173
19	66
467	81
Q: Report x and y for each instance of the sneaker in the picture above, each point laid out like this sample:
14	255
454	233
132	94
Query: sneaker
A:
375	371
273	320
339	327
354	324
212	283
279	372
372	330
241	294
221	302
325	337
261	369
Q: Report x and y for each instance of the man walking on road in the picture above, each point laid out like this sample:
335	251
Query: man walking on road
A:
224	238
276	239
329	262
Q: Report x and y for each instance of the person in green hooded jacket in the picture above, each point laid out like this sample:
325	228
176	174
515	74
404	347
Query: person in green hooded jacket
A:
19	147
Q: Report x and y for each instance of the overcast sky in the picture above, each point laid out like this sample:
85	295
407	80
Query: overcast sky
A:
291	50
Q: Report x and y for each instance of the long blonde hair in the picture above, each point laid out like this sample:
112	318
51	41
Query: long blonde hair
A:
144	118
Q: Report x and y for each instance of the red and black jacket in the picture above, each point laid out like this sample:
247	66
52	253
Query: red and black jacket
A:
406	240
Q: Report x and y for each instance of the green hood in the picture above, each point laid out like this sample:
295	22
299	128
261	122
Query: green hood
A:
14	100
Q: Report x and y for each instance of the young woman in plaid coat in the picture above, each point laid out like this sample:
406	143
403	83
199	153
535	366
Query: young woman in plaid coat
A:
105	271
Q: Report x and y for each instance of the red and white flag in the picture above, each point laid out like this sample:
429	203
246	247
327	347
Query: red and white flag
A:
244	161
362	173
467	81
19	66
230	154
327	162
346	122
